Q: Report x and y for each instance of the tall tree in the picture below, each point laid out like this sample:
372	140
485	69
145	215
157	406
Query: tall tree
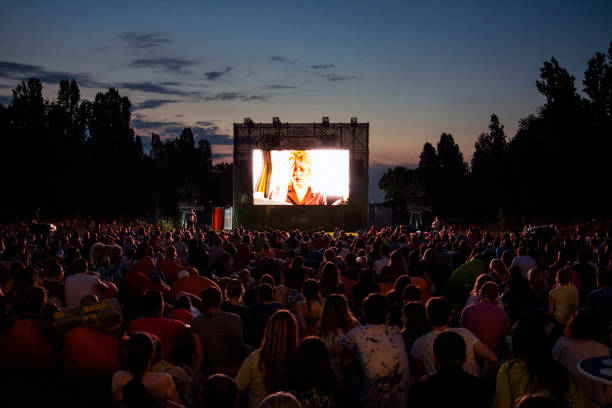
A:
429	171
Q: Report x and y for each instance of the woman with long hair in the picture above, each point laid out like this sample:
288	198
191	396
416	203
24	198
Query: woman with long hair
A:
330	280
262	372
310	376
309	310
533	371
336	321
415	323
139	386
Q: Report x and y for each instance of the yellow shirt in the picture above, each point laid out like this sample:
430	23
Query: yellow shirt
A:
514	381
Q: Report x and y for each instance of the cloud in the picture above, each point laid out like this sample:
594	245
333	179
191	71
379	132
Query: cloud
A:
203	130
14	70
146	40
153	103
276	86
277	58
334	77
103	48
145	124
149	87
322	66
233	96
164	63
211	76
221	156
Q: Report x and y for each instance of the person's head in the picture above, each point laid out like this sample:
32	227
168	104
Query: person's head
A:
79	265
401	282
301	168
438	312
411	293
31	302
584	325
449	349
497	266
265	293
153	303
536	279
329	255
330	278
376	308
280	400
220	391
310	290
564	275
604	277
55	271
277	346
384	251
489	292
183	302
139	354
336	315
297	263
171	252
311	366
530	343
414	315
234	289
267	278
211	299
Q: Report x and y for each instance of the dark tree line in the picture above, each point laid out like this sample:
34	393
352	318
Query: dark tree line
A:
558	163
75	157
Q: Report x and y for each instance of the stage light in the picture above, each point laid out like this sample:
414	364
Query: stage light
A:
354	121
325	121
276	122
249	122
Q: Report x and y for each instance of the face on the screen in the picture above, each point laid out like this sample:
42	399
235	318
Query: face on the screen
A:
301	173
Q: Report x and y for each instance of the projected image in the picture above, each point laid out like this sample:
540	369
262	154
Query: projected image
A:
300	177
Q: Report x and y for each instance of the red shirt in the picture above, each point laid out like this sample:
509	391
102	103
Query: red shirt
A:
488	322
310	198
166	329
194	285
91	352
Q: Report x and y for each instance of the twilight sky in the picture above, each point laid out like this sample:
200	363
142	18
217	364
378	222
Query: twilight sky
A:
412	69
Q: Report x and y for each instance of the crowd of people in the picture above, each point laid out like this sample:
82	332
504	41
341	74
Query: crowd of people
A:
124	314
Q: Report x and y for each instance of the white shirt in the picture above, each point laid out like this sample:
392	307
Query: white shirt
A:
526	263
422	350
382	355
78	285
378	265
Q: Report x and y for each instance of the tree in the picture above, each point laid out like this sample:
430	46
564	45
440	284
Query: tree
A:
452	197
402	188
429	172
488	167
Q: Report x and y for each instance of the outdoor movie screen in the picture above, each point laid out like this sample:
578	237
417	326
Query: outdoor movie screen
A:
300	177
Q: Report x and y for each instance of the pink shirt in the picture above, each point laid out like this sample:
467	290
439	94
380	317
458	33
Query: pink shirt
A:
488	322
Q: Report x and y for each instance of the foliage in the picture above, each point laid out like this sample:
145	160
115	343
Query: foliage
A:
556	164
72	157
